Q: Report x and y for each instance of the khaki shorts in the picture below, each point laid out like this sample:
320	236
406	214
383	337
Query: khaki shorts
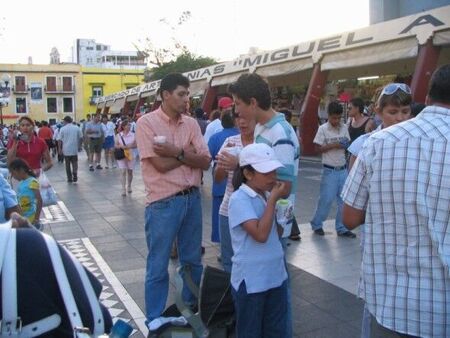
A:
95	145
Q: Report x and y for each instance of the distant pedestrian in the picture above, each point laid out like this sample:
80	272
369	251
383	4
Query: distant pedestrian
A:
126	140
71	139
359	123
332	139
215	125
95	134
199	116
108	144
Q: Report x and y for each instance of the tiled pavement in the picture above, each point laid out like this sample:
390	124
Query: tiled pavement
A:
324	271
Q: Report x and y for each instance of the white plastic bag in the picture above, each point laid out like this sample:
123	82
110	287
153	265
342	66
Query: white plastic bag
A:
48	194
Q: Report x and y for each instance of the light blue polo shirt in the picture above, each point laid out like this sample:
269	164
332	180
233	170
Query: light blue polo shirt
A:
278	134
260	265
8	198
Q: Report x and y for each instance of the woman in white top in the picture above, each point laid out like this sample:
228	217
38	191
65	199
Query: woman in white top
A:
127	141
227	161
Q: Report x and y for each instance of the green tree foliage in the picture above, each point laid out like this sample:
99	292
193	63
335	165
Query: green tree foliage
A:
183	63
174	56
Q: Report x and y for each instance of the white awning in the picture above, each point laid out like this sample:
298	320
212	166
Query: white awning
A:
131	98
441	38
101	105
147	94
376	54
285	68
226	79
117	106
109	103
198	87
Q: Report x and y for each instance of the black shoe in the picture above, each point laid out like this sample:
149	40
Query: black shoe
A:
319	232
69	181
75	178
348	234
99	167
91	168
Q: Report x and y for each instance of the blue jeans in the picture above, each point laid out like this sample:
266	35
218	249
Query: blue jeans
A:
215	232
261	314
226	249
330	190
177	217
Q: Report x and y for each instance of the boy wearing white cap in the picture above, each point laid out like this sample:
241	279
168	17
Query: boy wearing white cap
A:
258	275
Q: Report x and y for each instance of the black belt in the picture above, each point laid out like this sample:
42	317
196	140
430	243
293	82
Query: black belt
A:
186	191
335	168
94	138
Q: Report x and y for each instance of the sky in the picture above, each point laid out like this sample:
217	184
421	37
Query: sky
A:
222	30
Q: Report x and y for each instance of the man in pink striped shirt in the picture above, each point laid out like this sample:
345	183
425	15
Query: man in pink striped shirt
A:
173	155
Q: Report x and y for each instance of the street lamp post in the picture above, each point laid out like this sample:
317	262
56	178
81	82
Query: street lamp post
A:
4	97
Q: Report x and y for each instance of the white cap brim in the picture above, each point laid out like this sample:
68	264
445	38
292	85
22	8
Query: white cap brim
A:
267	166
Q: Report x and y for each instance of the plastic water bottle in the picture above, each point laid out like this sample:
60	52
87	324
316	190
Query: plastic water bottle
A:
120	330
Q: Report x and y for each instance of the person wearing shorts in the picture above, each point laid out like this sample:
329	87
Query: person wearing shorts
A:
94	132
108	145
126	140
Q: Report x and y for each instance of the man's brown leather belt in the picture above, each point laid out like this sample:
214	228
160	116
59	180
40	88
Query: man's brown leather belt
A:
186	191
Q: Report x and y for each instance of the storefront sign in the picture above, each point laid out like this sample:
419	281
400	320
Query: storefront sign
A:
422	26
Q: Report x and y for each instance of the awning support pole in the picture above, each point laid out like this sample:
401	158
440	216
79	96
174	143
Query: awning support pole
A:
209	98
309	116
426	63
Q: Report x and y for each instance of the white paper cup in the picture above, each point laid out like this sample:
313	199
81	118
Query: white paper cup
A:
233	150
159	139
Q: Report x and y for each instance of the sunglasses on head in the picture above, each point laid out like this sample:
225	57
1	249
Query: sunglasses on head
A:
393	87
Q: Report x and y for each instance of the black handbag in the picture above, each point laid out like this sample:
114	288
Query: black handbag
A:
119	153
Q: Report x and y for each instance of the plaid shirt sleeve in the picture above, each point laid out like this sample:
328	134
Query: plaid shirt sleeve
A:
356	189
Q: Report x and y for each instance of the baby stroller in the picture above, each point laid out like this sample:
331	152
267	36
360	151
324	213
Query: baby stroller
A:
215	315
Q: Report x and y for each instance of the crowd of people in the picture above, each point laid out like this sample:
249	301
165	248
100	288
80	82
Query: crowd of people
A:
258	166
389	177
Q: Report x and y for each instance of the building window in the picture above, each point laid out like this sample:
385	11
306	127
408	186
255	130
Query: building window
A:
21	105
90	48
68	105
20	83
52	106
67	83
99	60
97	91
98	47
51	83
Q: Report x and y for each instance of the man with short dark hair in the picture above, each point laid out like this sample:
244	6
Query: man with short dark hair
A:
71	138
252	100
399	187
173	155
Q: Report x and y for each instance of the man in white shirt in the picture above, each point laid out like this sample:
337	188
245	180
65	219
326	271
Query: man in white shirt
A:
399	187
71	138
331	140
216	125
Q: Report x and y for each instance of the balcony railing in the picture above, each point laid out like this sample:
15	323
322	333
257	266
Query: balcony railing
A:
20	89
93	100
60	89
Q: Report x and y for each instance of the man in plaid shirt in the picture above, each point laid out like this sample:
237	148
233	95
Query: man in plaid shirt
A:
400	187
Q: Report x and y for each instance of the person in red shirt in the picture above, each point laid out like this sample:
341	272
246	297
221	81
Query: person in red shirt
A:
27	146
46	133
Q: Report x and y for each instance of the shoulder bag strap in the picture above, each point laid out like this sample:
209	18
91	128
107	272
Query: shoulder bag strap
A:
97	314
123	141
64	287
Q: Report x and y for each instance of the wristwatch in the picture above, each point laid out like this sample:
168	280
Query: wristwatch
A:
180	157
